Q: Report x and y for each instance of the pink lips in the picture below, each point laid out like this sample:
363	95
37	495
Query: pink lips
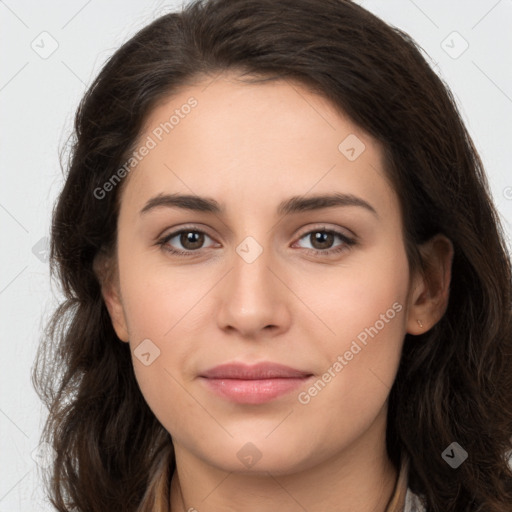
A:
253	384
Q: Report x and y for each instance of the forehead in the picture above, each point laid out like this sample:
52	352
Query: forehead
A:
226	138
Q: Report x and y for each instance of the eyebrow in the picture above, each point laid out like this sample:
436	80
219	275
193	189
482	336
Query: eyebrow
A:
295	204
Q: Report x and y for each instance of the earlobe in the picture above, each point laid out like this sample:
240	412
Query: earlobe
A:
430	295
112	298
110	290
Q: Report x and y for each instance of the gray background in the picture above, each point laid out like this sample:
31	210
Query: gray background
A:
39	94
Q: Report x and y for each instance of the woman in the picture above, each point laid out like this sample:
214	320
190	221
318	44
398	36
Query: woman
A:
286	283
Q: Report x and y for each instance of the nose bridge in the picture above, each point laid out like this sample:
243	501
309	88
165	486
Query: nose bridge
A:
251	275
250	299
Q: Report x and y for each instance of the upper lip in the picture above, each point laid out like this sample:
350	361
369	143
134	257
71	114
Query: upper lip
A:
264	370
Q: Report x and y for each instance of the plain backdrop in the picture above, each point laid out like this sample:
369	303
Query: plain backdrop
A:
50	53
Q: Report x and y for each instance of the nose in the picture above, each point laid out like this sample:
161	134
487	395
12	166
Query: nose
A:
253	299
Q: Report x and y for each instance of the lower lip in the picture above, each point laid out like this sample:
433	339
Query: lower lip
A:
253	391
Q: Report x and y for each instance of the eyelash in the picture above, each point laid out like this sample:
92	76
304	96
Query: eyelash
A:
347	242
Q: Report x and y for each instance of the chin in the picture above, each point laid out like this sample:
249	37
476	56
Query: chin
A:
262	457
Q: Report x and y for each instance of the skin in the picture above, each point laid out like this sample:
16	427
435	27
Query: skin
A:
250	147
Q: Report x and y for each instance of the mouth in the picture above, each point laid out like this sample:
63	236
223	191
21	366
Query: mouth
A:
253	384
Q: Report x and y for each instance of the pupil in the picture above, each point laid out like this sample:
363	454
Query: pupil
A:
325	239
192	239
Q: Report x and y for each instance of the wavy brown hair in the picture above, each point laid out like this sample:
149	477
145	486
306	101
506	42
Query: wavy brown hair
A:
454	382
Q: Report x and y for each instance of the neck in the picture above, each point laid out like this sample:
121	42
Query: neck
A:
360	478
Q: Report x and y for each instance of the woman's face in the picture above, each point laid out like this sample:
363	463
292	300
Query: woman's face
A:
271	273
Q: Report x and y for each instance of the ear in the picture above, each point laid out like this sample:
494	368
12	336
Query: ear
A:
108	276
430	291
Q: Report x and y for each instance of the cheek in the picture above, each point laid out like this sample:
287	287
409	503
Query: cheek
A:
159	311
365	310
166	305
157	297
367	292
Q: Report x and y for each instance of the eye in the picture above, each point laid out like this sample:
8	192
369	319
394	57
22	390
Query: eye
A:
190	239
322	240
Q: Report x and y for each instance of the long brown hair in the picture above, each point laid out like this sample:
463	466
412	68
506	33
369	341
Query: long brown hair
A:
454	382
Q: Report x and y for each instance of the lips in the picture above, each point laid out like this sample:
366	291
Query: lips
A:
253	384
253	372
